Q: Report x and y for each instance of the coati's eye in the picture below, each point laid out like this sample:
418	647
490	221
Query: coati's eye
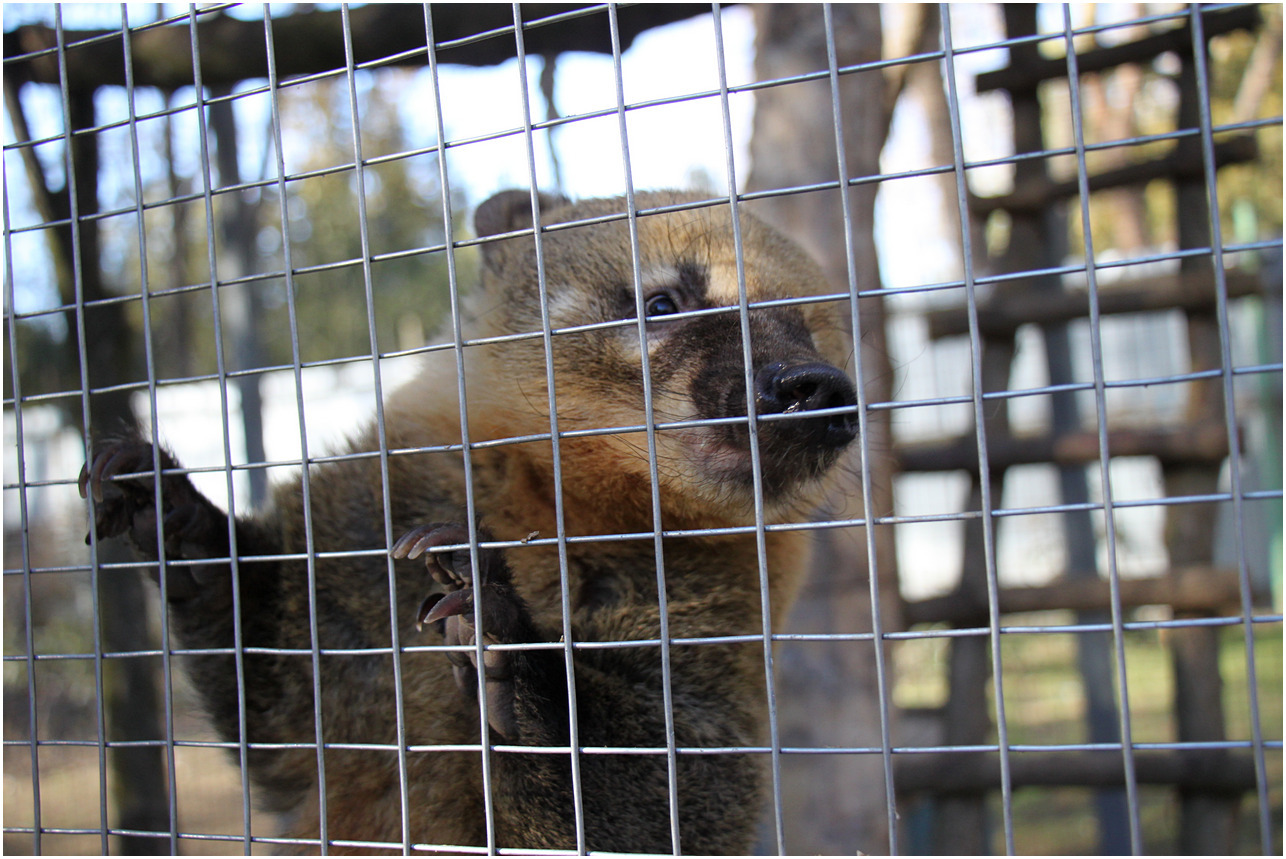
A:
661	304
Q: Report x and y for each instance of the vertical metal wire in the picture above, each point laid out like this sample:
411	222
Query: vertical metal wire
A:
221	369
1104	459
381	431
979	418
649	421
1230	419
752	413
149	361
274	93
554	439
78	284
863	436
457	340
29	639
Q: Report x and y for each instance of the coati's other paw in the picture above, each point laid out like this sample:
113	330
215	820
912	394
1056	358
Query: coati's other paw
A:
453	569
505	619
121	477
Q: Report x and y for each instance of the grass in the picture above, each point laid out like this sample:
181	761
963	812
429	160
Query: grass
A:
1045	704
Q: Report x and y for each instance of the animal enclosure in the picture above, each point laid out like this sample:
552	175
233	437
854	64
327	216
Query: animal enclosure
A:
1043	609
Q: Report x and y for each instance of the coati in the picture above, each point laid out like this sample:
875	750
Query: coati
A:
330	562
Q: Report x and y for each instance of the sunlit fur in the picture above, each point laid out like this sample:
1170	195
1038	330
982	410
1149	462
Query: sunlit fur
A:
598	380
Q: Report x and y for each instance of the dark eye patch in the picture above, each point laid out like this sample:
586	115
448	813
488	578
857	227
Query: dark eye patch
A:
685	292
692	278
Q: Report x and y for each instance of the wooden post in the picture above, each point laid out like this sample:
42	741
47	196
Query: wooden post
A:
1207	820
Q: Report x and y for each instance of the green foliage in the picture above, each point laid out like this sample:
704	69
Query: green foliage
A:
169	260
403	213
1134	101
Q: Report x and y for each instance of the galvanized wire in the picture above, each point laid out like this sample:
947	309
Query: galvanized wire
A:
304	463
216	320
1232	426
29	644
980	428
560	524
650	427
1105	477
363	225
883	688
752	415
78	281
992	509
457	344
167	677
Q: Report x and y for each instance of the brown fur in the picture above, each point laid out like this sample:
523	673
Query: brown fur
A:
712	582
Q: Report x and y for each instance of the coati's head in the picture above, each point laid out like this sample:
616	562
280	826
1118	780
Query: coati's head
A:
686	264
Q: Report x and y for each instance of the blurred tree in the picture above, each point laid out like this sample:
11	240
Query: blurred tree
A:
1137	100
828	693
404	217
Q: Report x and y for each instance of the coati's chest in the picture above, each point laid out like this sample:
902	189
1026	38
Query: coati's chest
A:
612	587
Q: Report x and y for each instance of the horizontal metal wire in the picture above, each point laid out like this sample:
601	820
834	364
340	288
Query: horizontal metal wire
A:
1070	269
816	637
695	751
111	35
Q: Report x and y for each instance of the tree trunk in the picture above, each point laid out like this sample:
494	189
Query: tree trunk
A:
827	691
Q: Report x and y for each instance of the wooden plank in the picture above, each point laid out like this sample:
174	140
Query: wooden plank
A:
313	42
1181	162
1201	589
1204	443
1225	772
1024	76
1188	291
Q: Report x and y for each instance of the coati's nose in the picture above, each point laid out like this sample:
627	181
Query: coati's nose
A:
782	388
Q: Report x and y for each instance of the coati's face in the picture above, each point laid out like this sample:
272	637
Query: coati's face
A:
687	270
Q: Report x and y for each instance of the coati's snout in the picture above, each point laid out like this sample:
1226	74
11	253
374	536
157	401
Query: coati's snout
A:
794	389
804	408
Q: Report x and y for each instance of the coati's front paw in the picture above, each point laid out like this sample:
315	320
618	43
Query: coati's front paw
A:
505	619
192	527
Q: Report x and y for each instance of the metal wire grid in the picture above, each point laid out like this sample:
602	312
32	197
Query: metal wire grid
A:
989	513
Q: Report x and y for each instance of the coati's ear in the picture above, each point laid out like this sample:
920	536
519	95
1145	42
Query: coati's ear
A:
509	211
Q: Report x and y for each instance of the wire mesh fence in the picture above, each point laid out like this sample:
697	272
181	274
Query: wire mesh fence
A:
1042	605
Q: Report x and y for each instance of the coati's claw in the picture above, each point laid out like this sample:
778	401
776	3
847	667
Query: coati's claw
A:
82	483
451	568
425	608
438	607
417	541
448	605
120	505
505	618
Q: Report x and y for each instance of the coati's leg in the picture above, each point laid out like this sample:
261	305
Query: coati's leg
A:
526	689
121	479
620	701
